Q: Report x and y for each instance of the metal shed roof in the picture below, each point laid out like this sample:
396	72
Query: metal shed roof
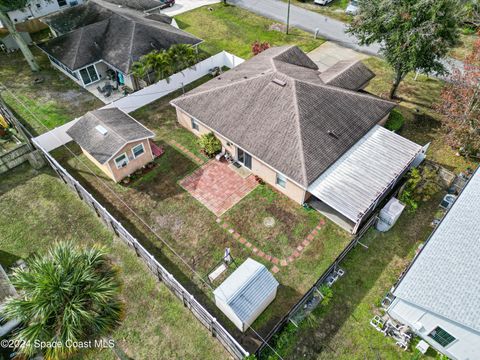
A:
356	180
445	276
246	288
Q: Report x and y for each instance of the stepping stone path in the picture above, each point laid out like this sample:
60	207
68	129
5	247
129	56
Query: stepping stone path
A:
296	253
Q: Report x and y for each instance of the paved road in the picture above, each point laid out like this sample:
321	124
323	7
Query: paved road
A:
329	28
310	21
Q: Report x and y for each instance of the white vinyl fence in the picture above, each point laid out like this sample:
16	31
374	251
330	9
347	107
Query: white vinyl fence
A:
58	136
153	92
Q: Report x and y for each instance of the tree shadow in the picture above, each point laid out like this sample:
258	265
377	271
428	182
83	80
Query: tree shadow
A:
7	259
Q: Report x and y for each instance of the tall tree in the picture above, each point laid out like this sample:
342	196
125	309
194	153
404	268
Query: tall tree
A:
67	296
460	105
414	35
9	5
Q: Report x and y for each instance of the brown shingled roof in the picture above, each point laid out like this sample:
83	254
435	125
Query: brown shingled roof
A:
276	107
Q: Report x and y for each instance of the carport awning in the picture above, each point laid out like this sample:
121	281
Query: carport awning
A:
355	182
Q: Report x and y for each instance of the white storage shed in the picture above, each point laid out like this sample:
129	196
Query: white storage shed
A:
246	293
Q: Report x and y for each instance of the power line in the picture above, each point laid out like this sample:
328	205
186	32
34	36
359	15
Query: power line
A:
129	208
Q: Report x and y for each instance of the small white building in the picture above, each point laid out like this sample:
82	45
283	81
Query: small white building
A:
439	296
38	8
246	293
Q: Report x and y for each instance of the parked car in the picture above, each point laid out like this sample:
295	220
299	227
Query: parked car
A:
352	8
167	3
322	2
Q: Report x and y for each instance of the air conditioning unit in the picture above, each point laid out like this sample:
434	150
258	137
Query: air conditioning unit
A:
389	214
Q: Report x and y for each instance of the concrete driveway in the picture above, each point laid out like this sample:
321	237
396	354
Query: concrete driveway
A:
182	6
330	53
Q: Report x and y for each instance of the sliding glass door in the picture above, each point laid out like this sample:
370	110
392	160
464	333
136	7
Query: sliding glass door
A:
89	74
244	158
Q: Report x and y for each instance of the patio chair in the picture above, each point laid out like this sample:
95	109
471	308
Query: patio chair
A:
100	90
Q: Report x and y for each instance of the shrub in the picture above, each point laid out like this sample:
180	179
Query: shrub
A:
209	144
258	47
421	185
395	121
327	293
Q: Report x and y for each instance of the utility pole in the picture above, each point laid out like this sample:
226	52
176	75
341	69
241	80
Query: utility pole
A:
288	16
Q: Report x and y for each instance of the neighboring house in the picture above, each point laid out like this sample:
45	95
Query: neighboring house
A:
313	136
38	8
8	43
114	141
439	295
97	43
246	293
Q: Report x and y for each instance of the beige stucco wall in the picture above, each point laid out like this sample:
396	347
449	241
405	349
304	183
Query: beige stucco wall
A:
133	164
259	168
110	169
105	168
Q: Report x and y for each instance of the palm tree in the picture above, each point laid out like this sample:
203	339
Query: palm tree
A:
68	295
183	56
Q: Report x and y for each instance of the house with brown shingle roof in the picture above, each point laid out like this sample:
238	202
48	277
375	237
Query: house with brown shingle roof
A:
292	125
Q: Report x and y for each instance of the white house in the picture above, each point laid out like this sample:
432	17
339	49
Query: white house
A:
439	296
246	293
38	8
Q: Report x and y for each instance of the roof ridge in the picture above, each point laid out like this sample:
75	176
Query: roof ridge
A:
131	45
340	89
187	95
299	128
343	70
78	48
109	127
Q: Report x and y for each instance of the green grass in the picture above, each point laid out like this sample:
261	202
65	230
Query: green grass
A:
341	330
191	229
234	30
37	209
422	124
53	102
292	223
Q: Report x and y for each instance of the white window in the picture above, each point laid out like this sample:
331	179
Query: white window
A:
281	180
138	150
121	161
194	124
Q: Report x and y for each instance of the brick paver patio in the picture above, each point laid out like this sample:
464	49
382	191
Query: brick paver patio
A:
217	186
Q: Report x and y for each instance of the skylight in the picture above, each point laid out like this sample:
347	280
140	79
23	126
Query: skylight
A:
101	130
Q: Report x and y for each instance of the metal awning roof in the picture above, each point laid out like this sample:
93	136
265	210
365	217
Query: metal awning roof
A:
354	183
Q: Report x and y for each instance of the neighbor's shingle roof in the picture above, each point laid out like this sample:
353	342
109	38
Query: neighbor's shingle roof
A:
140	5
122	129
117	38
285	126
348	74
445	276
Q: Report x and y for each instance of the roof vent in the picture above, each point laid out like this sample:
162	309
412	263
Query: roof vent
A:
101	130
279	82
332	134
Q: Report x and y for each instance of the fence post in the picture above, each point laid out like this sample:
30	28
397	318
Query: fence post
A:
212	327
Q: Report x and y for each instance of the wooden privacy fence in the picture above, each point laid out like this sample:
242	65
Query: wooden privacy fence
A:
189	301
315	288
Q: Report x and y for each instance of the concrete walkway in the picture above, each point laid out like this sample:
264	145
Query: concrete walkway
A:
182	6
329	54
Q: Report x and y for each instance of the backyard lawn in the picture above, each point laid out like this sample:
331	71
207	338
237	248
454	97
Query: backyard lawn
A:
54	101
37	209
341	330
197	235
234	30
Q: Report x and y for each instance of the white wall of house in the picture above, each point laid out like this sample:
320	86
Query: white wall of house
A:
467	343
37	8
